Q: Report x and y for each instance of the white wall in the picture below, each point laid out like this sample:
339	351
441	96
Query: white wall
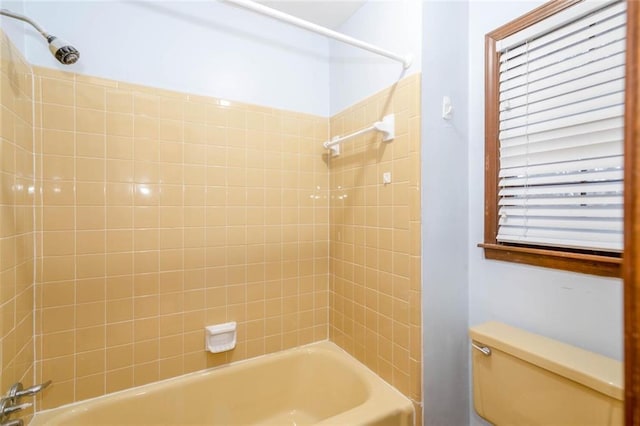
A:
355	74
578	309
444	214
212	48
14	29
207	48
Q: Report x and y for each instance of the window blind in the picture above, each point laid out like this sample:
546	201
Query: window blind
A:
561	133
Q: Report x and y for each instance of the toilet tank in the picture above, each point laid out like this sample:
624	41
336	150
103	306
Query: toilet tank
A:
528	379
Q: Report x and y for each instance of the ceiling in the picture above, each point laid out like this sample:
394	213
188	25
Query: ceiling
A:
329	14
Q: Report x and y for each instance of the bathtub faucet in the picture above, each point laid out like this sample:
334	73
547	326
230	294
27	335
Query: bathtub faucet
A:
17	391
10	403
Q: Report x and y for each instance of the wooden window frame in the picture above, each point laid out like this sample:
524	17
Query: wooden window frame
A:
582	261
632	219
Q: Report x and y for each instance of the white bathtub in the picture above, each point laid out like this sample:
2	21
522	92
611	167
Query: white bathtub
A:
318	384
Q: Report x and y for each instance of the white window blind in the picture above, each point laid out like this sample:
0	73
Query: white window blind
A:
562	131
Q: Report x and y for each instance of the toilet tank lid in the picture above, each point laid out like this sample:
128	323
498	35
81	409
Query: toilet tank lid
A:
596	371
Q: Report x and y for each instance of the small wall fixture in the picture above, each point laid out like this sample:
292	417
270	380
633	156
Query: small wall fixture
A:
447	108
220	337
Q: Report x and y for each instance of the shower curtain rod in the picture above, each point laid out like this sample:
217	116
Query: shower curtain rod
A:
284	17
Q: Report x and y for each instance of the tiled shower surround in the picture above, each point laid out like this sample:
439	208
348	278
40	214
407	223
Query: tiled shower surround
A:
158	213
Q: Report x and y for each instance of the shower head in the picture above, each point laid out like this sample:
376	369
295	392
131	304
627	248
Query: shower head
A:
62	50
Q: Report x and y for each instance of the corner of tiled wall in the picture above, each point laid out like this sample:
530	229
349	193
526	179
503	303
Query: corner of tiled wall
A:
375	306
16	219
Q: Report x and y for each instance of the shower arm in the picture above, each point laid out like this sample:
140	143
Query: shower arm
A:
64	52
23	18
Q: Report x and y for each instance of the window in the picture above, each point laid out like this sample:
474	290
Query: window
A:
554	123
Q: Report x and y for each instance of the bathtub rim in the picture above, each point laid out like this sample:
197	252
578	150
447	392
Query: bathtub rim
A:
404	403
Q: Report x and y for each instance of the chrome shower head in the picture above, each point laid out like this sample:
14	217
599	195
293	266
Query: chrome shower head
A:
63	51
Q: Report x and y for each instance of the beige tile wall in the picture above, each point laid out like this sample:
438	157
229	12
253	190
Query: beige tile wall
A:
16	218
375	239
161	213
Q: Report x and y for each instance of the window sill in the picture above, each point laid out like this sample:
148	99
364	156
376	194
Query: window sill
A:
576	262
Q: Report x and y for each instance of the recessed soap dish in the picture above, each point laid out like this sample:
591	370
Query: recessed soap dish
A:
220	337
